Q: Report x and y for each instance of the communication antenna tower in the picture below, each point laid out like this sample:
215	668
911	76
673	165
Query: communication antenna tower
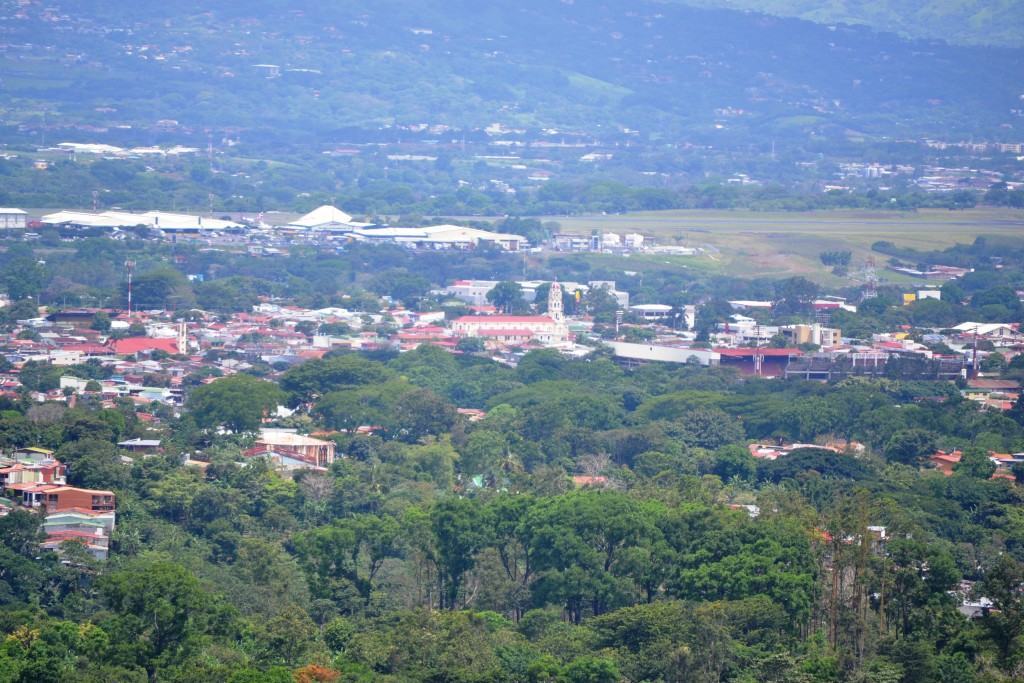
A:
129	266
870	279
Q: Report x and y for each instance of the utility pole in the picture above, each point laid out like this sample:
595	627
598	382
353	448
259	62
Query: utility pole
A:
974	359
758	358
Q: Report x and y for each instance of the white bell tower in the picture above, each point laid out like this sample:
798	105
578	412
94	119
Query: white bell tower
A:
555	311
182	338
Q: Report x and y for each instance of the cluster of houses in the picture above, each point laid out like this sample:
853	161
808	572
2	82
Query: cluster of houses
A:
943	461
817	351
154	371
153	368
36	480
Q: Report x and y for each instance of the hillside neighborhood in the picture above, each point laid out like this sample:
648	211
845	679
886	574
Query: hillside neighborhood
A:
145	361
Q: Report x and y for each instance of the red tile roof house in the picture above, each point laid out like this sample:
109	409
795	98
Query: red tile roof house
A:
51	472
944	462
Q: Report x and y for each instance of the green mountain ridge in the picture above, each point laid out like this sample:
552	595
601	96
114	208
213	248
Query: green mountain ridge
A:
967	22
661	69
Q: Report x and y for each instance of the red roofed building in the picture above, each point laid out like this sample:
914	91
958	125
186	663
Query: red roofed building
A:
133	345
172	345
90	350
512	328
59	498
48	472
944	461
95	542
547	329
430	334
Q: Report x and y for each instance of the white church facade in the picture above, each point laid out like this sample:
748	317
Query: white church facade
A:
550	329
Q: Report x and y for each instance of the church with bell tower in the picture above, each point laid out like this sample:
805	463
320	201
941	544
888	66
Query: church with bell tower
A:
549	330
556	312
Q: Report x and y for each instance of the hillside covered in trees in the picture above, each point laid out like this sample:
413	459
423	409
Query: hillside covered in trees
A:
596	525
559	520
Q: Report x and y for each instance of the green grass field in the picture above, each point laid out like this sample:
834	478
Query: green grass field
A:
782	244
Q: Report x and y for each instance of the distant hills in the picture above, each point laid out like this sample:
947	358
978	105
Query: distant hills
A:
309	76
970	22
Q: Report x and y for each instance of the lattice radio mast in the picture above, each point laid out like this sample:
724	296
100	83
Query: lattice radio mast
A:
870	279
129	266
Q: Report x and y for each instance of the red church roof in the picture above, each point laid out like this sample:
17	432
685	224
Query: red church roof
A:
136	344
491	319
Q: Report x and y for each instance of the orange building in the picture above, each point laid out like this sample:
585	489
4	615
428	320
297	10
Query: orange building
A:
944	461
59	498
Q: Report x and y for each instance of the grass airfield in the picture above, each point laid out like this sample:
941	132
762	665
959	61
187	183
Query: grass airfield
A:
784	244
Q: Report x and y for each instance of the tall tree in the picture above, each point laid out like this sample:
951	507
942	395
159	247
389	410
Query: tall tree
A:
25	278
162	613
460	530
508	296
975	462
237	402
